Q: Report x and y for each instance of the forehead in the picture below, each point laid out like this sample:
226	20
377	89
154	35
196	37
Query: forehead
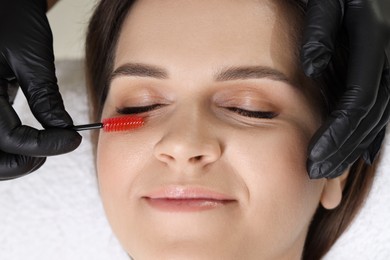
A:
206	33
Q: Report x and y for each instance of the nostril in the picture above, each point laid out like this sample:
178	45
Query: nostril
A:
196	158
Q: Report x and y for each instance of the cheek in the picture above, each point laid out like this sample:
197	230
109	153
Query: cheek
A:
119	159
277	160
110	165
280	195
110	174
119	155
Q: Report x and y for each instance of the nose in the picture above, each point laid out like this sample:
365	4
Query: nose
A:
188	143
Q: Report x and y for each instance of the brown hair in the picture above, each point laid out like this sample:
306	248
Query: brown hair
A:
327	225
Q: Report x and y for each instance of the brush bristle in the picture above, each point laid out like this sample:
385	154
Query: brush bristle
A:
124	123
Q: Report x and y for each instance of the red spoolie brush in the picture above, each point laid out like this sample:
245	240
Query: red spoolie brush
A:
114	124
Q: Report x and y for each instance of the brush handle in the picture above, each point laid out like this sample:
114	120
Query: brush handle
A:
88	127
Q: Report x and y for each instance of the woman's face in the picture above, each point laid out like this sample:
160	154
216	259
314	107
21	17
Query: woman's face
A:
218	169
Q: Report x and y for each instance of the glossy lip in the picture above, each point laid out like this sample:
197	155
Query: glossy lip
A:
186	199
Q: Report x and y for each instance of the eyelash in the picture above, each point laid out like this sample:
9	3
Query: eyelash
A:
242	112
253	114
138	110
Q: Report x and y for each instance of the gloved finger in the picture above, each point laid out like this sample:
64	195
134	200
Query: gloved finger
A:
361	90
327	170
12	91
13	166
356	153
375	144
343	123
25	140
372	151
357	142
42	93
31	60
323	20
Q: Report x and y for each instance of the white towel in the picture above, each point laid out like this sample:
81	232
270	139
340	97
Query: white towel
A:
56	213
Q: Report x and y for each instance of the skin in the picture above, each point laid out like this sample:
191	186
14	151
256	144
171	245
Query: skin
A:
193	139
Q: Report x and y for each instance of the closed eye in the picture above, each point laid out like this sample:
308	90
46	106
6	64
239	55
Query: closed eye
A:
240	111
137	110
253	114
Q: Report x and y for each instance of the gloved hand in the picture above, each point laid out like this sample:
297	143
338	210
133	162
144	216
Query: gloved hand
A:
26	56
356	127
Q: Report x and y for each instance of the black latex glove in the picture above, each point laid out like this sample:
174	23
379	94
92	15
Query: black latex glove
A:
358	124
26	56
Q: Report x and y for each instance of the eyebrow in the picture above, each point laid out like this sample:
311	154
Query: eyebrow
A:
139	70
226	74
251	72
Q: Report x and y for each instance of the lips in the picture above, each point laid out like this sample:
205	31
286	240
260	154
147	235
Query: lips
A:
186	199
